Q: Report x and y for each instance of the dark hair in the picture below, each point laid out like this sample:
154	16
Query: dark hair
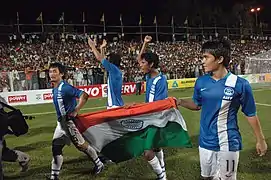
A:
151	58
61	68
219	48
115	59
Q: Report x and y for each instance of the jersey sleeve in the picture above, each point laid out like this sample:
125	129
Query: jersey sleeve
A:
247	100
197	94
109	66
72	91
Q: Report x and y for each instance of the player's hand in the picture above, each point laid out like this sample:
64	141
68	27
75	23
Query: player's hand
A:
261	147
147	39
104	44
127	106
73	114
91	43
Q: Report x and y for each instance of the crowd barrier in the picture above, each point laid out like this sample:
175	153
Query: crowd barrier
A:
190	82
45	96
100	90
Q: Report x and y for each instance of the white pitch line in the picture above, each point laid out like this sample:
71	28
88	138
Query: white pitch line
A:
100	107
261	104
53	112
83	109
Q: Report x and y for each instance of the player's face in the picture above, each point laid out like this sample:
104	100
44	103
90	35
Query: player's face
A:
55	75
144	66
210	64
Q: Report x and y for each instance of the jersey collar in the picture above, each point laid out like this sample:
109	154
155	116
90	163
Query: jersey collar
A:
149	76
225	77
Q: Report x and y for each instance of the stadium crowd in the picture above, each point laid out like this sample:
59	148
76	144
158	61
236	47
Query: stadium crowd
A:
25	63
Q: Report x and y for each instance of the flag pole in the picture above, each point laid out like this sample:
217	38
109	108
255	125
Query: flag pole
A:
84	22
18	22
156	29
140	26
121	24
104	23
42	28
172	27
63	23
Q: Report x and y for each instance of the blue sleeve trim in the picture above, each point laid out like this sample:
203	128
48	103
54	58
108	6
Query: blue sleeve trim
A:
251	114
81	93
196	102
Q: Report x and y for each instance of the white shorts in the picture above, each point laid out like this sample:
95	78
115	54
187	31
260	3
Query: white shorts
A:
219	164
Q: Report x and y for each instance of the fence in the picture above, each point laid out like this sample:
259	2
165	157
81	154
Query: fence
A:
19	81
165	33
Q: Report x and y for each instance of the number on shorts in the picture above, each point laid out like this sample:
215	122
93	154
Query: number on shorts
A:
228	165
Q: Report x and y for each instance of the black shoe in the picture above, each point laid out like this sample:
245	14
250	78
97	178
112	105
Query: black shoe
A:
24	164
97	170
48	177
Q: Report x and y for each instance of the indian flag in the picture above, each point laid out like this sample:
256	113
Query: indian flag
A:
124	133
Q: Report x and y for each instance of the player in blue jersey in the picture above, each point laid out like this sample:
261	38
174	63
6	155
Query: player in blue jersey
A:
114	81
64	98
219	94
156	89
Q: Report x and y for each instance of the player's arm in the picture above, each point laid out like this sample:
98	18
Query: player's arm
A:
82	101
261	145
95	51
102	48
72	92
188	104
194	105
249	109
147	39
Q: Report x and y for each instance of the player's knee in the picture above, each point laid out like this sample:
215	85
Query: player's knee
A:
149	155
82	147
57	147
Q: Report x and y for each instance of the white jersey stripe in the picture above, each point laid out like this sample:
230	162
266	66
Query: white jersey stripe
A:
109	96
152	91
60	100
222	119
231	80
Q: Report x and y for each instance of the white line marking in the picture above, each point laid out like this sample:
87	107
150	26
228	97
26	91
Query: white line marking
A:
101	107
261	104
53	112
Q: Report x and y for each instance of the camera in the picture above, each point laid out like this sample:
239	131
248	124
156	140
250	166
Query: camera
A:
15	120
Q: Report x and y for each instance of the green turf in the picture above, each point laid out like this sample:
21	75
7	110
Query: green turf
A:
180	163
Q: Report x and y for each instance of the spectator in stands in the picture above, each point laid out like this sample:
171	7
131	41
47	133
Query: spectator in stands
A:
28	78
179	59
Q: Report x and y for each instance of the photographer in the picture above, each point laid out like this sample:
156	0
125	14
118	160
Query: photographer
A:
7	154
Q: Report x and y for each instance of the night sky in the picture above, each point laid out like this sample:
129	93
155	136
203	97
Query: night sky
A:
29	10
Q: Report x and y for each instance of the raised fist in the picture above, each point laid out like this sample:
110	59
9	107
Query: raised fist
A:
147	39
91	43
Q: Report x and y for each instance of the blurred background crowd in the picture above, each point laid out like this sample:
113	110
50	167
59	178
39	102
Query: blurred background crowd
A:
25	63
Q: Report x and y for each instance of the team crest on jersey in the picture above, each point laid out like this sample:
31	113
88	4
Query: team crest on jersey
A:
228	93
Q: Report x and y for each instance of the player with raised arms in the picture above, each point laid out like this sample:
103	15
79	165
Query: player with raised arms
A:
114	81
156	89
219	94
64	98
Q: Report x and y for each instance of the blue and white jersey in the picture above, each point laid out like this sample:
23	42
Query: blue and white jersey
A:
220	101
156	88
114	84
64	98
